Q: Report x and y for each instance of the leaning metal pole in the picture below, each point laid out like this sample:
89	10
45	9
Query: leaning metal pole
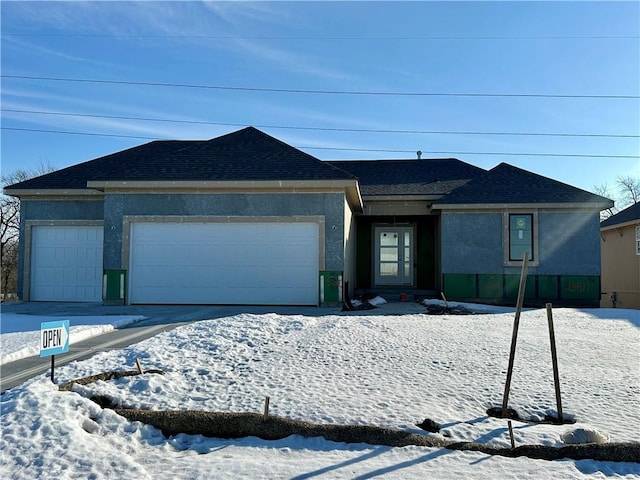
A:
514	337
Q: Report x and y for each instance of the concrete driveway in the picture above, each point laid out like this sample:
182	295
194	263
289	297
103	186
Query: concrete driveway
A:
156	314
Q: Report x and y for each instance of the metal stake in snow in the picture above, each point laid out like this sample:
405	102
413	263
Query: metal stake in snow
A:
266	408
514	337
554	359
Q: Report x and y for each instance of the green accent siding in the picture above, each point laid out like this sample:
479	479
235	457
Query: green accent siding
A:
580	287
490	286
575	290
459	286
116	287
512	285
548	287
332	285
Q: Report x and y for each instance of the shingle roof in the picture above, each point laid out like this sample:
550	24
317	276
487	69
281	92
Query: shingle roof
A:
246	154
629	214
409	177
506	184
252	155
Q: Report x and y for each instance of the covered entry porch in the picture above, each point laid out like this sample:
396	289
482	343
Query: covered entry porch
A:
397	255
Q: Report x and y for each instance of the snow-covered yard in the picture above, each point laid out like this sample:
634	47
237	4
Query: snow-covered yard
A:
386	370
21	333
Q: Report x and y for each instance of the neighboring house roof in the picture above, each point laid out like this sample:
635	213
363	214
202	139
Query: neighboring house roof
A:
409	177
246	154
629	214
506	184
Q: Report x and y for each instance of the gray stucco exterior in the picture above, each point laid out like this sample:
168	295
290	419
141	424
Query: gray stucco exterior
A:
61	210
565	267
114	209
567	243
250	205
471	242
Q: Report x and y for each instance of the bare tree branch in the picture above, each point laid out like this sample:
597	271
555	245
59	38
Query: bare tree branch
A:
603	191
629	188
628	193
10	225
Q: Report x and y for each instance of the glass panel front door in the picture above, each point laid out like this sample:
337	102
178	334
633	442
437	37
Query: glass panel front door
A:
394	256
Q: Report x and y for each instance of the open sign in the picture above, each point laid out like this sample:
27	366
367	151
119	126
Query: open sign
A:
54	338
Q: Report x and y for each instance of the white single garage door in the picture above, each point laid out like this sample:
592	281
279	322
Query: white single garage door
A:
224	263
66	264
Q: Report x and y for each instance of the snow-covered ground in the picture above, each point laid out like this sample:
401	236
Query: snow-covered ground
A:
370	368
20	334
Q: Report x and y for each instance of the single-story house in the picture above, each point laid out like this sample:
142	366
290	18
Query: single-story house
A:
620	245
247	219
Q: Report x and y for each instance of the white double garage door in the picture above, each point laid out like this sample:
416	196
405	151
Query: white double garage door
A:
253	263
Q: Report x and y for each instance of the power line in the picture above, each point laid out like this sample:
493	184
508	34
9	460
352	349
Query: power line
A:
81	133
325	92
324	129
305	37
346	148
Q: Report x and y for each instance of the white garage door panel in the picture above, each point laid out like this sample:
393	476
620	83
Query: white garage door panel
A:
226	263
66	264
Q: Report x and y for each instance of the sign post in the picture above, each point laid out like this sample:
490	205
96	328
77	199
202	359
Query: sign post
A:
54	339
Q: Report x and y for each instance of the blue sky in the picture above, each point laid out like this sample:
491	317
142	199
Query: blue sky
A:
379	48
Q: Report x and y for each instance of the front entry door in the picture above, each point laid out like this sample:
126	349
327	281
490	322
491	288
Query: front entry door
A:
394	256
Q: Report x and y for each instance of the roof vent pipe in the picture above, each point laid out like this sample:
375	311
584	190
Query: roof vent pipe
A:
419	153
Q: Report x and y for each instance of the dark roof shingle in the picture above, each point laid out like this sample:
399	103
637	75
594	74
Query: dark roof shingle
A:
506	184
409	177
246	154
